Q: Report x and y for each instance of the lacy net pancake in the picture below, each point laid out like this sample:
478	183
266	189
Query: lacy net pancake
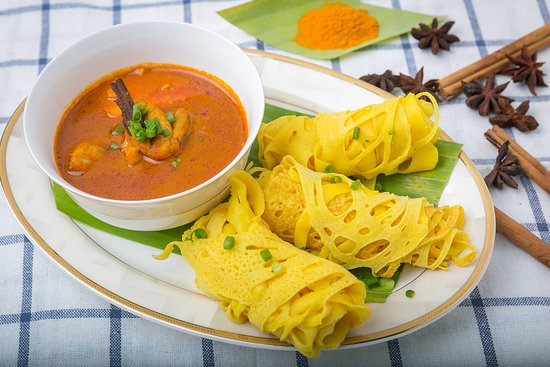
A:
303	299
396	136
361	227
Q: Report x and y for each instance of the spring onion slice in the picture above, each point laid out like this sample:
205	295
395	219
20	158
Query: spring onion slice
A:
170	117
199	234
356	132
229	242
276	267
266	254
355	185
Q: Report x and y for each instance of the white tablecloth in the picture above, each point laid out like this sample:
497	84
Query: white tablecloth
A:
47	318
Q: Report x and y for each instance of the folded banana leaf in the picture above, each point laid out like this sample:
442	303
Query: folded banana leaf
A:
275	22
65	204
428	184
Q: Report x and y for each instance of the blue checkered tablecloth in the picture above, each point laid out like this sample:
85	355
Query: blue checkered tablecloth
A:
47	318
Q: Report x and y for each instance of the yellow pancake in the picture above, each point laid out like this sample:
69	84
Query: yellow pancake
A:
335	218
303	299
396	136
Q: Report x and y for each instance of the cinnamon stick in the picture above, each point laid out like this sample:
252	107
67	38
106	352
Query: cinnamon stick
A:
123	100
530	166
522	237
451	85
499	132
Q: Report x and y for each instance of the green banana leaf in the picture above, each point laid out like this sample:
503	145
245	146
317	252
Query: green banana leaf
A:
158	239
428	184
275	22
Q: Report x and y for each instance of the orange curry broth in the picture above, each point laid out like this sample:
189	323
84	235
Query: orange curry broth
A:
219	131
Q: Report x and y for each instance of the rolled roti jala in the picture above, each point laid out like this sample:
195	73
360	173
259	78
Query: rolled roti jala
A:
340	219
301	298
395	136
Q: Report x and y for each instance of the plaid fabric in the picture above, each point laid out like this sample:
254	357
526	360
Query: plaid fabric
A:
46	318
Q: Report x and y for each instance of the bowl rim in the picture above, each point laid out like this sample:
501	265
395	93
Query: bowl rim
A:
245	149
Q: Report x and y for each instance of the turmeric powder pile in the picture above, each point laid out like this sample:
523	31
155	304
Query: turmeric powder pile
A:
335	25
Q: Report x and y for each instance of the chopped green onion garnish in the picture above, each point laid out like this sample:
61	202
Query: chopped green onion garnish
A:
371	281
355	185
142	108
151	128
375	291
378	187
170	117
335	179
391	132
113	146
199	233
136	113
137	130
276	267
175	162
409	293
229	242
118	130
356	132
138	133
266	254
329	169
147	129
387	283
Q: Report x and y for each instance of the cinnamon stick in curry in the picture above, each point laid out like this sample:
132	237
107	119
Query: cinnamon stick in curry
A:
450	86
123	100
522	237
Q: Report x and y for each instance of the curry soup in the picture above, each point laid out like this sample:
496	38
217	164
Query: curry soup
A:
91	145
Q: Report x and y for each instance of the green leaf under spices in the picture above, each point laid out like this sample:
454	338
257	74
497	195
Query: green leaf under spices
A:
275	22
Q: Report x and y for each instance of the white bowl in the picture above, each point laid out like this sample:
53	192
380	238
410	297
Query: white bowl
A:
126	45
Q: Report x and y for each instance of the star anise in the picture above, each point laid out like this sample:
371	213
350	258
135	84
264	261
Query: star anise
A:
516	117
526	70
416	85
486	98
434	37
506	166
387	81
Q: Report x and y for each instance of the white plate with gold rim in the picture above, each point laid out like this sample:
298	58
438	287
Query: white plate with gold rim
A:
125	274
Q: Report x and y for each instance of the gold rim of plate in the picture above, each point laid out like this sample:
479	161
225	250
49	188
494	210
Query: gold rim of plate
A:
410	326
